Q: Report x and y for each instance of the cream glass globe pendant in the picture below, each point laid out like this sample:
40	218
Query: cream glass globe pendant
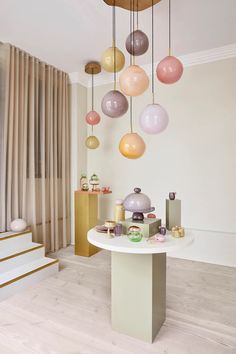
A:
170	69
154	118
114	103
92	118
133	80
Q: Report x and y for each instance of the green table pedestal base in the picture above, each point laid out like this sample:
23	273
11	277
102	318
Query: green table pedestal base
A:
138	294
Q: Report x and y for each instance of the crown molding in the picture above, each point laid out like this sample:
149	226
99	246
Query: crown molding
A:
196	58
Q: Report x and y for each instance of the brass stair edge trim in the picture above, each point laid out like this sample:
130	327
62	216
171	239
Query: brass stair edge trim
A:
19	234
20	253
28	273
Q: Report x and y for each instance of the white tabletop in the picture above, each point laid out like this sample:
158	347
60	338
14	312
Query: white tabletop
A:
124	245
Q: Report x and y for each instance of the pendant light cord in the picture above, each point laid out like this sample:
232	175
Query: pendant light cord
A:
114	39
92	95
131	62
137	15
169	16
153	88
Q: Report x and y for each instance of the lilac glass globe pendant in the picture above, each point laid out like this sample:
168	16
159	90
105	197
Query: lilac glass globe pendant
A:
92	118
154	118
114	104
170	69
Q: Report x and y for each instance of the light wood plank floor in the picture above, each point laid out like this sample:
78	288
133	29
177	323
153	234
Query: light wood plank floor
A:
70	313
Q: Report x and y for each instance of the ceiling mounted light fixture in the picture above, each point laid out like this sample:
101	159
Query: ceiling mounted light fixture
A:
154	118
170	69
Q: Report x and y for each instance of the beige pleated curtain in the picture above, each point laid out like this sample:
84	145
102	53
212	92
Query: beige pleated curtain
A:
34	147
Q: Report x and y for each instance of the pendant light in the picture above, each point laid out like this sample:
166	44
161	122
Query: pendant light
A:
131	144
137	42
114	103
170	69
113	60
154	118
92	118
133	80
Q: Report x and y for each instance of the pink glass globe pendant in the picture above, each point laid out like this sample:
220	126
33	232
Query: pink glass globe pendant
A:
92	118
169	70
137	43
154	119
114	104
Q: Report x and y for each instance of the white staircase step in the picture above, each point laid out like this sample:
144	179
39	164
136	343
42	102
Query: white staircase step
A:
18	256
21	277
11	240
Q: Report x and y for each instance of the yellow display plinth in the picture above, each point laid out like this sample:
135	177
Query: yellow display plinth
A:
86	217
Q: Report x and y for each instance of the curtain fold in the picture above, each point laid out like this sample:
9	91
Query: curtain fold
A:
34	147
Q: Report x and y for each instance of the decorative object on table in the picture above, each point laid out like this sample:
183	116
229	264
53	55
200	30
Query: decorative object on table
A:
110	224
18	225
92	118
134	233
119	210
114	103
177	231
162	230
103	229
172	195
149	227
106	189
94	181
85	187
173	213
157	237
138	203
151	216
83	179
86	217
118	229
154	118
170	69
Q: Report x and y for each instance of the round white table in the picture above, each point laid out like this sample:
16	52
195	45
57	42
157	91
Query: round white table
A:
138	281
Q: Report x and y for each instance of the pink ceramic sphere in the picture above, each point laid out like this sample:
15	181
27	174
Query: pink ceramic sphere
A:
154	119
169	70
133	81
92	118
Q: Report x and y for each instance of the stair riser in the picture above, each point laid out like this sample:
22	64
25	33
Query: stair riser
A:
28	281
13	242
22	259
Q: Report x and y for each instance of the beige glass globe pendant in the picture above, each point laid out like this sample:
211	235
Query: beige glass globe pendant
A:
114	104
113	60
92	117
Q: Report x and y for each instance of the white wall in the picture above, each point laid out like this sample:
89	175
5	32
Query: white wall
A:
78	110
195	156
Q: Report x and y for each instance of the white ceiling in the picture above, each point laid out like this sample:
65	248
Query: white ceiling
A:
69	33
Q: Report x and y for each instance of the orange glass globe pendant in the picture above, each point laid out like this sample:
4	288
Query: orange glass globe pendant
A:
132	146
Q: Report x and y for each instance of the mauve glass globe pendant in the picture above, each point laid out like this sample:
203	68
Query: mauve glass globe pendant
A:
107	60
133	81
92	142
169	70
132	146
114	104
92	118
154	119
137	43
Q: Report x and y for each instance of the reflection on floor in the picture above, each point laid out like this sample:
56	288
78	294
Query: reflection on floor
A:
70	312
